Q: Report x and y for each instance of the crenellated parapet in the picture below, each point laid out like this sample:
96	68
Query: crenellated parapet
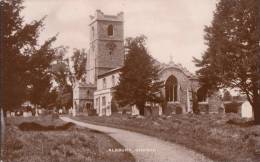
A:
99	15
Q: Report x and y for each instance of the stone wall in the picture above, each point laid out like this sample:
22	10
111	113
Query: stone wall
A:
184	85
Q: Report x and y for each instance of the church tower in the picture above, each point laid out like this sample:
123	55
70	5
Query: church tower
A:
106	49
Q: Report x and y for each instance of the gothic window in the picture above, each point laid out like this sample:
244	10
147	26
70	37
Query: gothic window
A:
110	30
171	89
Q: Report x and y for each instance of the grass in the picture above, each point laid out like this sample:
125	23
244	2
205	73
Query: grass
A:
57	142
219	137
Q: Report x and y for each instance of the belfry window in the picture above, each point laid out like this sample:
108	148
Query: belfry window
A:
110	30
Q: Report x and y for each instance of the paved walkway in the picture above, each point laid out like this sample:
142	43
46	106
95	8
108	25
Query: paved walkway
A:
146	148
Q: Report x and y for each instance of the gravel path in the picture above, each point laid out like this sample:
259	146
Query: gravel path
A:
146	148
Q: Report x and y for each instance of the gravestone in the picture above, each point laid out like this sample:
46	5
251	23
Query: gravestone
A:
27	114
135	110
246	110
12	113
8	114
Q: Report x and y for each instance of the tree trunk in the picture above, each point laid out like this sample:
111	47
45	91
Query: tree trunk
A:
2	132
141	109
256	110
195	103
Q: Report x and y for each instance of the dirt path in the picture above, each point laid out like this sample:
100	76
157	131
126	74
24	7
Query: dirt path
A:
145	148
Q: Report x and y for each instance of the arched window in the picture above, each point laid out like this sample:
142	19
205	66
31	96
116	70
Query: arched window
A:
110	30
171	89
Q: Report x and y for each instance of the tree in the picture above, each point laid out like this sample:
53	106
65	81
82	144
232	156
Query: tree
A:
231	60
79	60
139	76
18	42
66	76
39	73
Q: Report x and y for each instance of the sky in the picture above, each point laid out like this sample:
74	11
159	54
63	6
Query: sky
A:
174	28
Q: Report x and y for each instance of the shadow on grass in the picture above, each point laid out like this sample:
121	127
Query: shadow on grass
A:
241	123
32	126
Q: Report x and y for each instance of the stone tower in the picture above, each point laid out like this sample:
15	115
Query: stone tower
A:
106	49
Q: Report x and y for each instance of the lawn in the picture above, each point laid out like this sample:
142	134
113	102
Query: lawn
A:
220	137
48	139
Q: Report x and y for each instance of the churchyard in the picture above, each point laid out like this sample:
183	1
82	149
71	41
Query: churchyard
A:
222	137
47	138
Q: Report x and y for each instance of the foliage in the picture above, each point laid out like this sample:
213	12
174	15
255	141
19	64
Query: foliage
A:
79	60
39	74
139	76
231	60
24	62
65	76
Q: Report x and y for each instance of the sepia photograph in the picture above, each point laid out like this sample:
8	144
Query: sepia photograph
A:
129	80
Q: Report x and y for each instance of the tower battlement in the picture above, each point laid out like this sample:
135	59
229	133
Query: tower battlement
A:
99	15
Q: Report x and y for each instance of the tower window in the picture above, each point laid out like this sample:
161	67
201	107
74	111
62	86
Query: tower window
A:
110	30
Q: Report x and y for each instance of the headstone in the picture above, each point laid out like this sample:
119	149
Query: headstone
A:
135	110
70	111
8	114
246	110
12	113
27	114
74	111
160	110
40	111
36	112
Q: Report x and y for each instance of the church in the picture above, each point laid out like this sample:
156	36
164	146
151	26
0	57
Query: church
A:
106	56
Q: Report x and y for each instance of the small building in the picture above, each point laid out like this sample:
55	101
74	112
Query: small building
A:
103	96
83	96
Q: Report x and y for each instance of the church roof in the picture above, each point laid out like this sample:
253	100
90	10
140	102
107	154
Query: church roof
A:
180	67
112	71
